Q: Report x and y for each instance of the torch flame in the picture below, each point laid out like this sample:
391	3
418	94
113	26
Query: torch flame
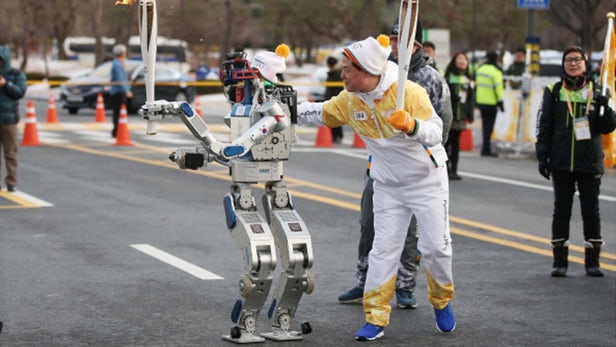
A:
124	2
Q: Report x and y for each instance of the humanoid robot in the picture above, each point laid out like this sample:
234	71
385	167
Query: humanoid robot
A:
262	134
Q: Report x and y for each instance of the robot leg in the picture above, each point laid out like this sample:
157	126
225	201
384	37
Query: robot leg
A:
252	234
295	247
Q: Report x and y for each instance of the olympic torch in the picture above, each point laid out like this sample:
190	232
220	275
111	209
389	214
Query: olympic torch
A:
407	25
148	33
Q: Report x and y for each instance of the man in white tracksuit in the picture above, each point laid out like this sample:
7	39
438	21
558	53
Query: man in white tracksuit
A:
409	172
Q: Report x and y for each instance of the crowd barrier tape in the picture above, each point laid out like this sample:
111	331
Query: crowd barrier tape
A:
208	83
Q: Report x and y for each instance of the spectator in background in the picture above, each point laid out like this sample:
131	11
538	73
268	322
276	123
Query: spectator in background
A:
13	87
202	72
429	49
461	86
569	149
517	68
489	98
120	87
333	75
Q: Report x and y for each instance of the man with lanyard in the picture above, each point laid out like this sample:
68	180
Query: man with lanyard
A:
569	148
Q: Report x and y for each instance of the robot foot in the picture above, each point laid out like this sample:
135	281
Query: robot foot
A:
282	335
240	336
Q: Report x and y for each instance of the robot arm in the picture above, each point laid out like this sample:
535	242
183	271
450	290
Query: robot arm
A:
161	109
274	119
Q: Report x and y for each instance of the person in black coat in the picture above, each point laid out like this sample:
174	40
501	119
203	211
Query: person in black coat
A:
569	149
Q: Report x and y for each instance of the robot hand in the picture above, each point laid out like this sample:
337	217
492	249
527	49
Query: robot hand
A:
159	109
188	158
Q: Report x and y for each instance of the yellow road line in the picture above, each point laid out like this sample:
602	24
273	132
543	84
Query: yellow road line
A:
23	200
223	175
523	247
502	231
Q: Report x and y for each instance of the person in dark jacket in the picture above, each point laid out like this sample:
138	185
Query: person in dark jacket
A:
461	87
333	75
570	152
489	98
12	88
517	68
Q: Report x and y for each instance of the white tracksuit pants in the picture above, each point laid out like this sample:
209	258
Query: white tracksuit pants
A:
428	200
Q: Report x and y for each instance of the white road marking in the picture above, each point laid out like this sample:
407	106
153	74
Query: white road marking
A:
523	184
174	261
50	137
349	152
171	138
35	202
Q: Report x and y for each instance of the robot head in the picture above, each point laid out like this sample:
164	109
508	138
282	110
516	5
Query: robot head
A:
270	64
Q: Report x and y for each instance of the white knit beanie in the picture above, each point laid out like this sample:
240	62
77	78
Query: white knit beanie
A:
271	63
370	54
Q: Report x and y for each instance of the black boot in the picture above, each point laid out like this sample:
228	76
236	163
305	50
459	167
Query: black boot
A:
561	253
591	259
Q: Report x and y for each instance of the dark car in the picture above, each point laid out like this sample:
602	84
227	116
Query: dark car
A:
82	91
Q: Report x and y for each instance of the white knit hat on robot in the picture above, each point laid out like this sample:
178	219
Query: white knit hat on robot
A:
370	54
270	64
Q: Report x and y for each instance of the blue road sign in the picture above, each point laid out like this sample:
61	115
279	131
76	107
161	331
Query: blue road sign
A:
534	4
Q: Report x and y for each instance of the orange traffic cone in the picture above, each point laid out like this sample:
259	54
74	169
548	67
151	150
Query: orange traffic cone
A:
52	116
324	137
122	135
99	116
358	142
466	140
30	136
198	106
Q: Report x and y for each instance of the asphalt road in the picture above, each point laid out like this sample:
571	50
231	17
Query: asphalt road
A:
77	266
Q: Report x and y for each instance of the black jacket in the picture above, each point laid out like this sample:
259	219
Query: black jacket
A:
12	91
556	144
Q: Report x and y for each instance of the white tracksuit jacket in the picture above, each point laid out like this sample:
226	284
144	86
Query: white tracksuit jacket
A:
406	182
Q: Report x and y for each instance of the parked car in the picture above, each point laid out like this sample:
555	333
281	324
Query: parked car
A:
82	91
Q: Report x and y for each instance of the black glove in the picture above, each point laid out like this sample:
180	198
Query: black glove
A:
544	171
602	100
500	106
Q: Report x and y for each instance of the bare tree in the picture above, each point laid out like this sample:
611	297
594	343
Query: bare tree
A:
585	19
63	12
220	25
10	25
96	14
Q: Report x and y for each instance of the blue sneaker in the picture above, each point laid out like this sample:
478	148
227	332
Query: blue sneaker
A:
369	332
353	296
445	321
405	299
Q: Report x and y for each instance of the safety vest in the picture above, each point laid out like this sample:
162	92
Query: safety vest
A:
489	84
